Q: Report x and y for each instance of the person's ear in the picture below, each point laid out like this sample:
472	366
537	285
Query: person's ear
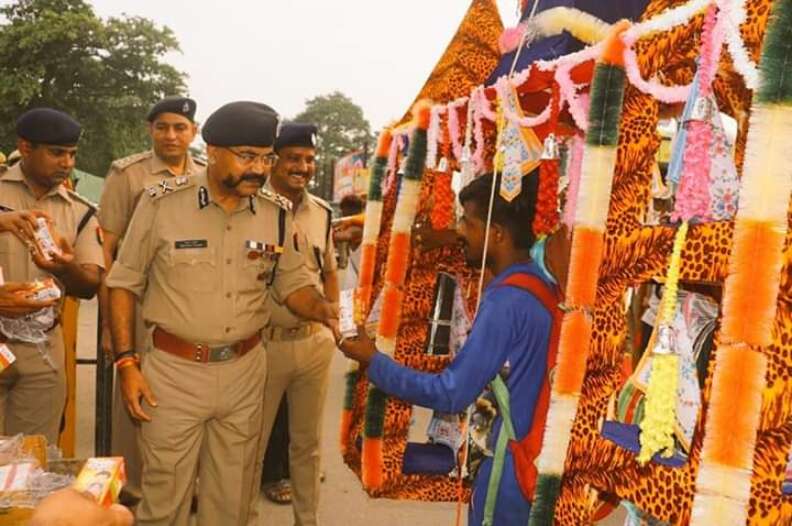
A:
24	147
211	154
497	233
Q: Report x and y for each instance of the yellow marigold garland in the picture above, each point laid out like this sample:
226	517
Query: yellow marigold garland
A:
657	426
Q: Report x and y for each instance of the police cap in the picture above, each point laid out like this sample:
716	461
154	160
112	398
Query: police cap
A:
183	106
296	134
241	123
48	126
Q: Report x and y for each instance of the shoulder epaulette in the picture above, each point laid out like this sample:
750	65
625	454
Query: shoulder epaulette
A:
126	162
169	186
200	161
81	198
321	202
276	198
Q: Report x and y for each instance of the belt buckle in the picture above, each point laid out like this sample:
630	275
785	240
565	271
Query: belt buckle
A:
198	356
224	353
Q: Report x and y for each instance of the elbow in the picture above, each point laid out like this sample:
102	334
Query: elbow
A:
84	293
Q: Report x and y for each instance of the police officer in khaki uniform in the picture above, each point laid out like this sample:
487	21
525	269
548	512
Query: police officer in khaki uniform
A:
204	253
299	351
172	129
33	389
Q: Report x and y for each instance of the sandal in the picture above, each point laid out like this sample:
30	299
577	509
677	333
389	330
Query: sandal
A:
279	492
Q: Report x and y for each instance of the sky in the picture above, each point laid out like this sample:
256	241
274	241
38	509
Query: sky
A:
284	52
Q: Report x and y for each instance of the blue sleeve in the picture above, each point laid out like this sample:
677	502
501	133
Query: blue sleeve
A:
482	357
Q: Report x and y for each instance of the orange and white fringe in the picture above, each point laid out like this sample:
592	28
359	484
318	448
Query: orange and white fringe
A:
723	485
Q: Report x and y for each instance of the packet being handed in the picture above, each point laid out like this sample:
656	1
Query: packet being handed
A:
103	478
6	357
45	240
43	290
346	313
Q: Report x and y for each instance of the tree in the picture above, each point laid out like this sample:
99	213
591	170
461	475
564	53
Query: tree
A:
106	73
342	129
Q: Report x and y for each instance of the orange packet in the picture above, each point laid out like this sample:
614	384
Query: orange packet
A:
103	478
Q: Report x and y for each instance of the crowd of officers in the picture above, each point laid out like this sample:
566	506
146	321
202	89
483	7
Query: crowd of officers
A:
218	286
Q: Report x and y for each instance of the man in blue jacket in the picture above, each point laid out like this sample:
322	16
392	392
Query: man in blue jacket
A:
513	336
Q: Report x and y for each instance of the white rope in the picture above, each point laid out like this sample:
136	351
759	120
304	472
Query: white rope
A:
469	412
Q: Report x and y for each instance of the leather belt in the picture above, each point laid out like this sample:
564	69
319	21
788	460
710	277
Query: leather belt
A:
283	334
165	341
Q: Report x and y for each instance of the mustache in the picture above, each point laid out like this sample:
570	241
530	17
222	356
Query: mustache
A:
230	182
259	178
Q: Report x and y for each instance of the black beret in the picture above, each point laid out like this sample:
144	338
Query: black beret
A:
48	126
241	123
296	134
179	105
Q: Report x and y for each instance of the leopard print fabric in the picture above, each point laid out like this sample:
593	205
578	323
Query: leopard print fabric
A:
467	62
634	254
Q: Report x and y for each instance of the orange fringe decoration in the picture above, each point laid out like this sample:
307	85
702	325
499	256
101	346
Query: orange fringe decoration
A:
346	425
753	283
546	216
398	258
573	348
384	143
443	209
614	45
368	260
422	113
391	312
370	457
584	262
735	405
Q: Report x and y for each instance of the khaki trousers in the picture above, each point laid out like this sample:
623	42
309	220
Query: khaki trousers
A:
300	369
32	391
124	428
208	425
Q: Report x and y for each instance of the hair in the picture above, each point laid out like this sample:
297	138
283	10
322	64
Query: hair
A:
351	205
516	216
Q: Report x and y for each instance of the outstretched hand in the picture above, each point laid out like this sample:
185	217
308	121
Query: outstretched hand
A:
361	348
22	224
58	263
69	507
15	300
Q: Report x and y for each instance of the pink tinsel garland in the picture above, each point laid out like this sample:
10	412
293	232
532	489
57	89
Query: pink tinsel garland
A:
504	87
393	158
453	127
692	198
511	38
575	168
478	128
667	94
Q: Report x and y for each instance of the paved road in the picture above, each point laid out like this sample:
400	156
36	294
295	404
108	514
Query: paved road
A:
343	501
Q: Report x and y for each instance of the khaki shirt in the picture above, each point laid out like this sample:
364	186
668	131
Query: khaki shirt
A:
204	275
67	210
315	244
125	182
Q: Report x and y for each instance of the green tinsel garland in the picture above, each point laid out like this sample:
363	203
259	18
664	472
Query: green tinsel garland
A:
548	489
377	175
607	94
776	84
416	157
351	378
374	425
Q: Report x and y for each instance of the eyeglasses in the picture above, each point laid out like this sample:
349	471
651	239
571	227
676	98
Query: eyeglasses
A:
249	159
